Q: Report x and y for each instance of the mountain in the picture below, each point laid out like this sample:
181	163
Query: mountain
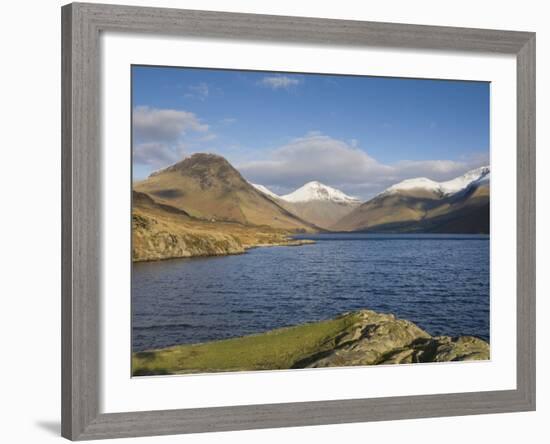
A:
460	205
206	186
316	203
477	176
160	231
265	190
316	191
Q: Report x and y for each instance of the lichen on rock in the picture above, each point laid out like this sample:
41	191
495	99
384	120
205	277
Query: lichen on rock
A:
381	338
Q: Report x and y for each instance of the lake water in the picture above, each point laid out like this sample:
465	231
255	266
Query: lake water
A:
440	282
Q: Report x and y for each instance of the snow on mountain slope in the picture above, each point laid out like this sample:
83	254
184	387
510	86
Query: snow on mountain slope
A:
412	184
315	191
479	175
464	181
264	190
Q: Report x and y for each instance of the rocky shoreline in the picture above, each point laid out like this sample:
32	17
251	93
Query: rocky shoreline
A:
380	339
287	243
160	232
165	245
358	338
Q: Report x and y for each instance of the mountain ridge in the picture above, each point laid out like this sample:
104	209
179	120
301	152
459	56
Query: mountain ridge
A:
208	187
448	187
315	202
460	205
315	190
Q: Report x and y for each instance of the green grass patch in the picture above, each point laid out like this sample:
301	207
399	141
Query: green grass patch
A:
283	348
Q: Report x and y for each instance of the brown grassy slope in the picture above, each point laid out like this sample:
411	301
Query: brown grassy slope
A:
421	211
160	231
207	187
321	213
390	208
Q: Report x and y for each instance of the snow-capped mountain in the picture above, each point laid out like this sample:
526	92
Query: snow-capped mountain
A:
316	191
472	177
459	205
265	190
314	202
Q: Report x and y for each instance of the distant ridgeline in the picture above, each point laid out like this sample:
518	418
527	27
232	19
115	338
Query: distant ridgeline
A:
203	206
421	205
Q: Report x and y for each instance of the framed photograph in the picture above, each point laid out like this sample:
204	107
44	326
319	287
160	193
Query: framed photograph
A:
282	221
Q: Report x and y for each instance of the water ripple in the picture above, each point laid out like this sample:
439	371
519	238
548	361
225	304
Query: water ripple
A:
440	282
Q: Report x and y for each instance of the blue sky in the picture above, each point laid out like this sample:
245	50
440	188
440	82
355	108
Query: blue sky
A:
359	134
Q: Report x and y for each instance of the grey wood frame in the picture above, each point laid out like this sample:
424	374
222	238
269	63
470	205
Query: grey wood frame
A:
81	166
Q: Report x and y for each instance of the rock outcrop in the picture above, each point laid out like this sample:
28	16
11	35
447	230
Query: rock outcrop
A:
377	338
207	186
353	339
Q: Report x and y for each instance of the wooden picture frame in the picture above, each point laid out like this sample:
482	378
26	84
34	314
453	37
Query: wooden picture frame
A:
81	172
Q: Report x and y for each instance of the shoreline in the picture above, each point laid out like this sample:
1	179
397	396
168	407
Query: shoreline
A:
243	250
357	338
289	243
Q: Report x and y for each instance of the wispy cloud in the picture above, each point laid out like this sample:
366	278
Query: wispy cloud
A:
201	91
279	82
208	137
228	121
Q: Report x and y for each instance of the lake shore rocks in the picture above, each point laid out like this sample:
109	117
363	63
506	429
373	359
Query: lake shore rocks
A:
358	338
379	339
158	237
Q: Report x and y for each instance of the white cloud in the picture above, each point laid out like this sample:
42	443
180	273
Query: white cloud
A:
279	82
314	157
343	165
166	125
160	135
200	91
433	169
157	154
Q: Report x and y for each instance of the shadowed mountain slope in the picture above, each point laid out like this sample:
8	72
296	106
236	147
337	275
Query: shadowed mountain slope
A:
207	187
422	208
160	231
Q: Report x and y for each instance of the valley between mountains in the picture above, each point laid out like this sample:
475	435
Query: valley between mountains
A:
203	206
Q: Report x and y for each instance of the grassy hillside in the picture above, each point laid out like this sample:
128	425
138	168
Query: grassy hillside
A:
422	211
207	187
160	231
323	214
277	349
359	338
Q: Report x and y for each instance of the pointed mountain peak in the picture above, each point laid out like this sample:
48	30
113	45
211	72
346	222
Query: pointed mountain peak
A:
201	164
315	190
201	160
196	160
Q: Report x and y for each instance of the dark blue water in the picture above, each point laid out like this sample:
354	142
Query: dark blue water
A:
440	282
